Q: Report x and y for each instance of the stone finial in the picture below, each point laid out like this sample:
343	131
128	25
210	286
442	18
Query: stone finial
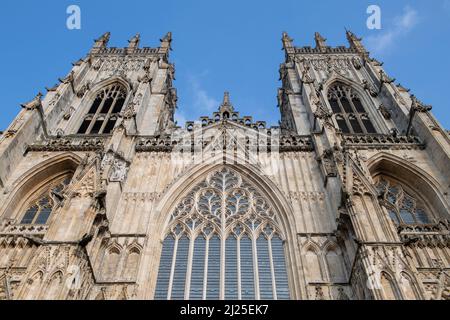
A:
320	42
226	103
33	104
287	41
101	42
166	40
355	42
134	41
226	99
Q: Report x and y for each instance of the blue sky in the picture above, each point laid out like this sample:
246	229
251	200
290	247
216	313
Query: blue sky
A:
223	45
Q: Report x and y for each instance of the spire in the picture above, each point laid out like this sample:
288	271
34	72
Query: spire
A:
355	42
133	43
226	104
101	42
320	42
226	99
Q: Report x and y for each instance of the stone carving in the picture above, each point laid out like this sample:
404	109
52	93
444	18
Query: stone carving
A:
328	163
356	61
385	112
370	88
118	171
68	144
83	89
121	66
68	113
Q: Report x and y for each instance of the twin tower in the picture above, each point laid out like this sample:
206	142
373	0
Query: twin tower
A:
104	196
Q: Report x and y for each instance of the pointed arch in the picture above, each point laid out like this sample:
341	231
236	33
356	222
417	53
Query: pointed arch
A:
408	287
388	287
414	179
313	262
132	261
111	261
105	109
335	262
283	228
35	180
33	286
53	286
356	111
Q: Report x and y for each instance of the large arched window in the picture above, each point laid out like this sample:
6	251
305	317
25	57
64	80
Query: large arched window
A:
104	112
349	111
223	243
404	208
40	208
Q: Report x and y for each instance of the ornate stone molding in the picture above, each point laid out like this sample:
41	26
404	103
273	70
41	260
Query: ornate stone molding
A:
287	143
382	141
69	143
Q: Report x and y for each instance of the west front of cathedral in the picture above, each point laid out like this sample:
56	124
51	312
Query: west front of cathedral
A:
104	196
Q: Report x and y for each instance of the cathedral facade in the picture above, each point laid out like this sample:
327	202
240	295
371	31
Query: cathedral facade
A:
104	196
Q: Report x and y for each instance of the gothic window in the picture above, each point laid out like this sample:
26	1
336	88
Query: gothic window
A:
403	207
223	243
387	287
104	112
350	114
39	210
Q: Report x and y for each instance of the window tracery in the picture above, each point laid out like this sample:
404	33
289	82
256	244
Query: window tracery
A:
403	207
104	111
351	116
39	211
223	243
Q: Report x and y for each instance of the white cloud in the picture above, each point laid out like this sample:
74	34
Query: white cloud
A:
402	25
202	100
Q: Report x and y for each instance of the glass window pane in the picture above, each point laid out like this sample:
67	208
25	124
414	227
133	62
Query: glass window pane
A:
213	287
43	216
97	126
95	105
29	215
198	269
231	285
335	106
247	273
369	126
346	105
84	126
109	126
406	216
118	105
422	217
343	125
265	275
355	125
165	265
358	105
393	216
107	105
179	277
279	265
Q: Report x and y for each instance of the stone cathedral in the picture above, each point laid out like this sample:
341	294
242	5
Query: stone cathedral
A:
104	196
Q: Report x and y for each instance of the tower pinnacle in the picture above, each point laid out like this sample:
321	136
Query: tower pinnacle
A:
320	42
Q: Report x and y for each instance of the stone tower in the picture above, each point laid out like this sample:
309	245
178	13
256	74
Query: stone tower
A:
103	196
